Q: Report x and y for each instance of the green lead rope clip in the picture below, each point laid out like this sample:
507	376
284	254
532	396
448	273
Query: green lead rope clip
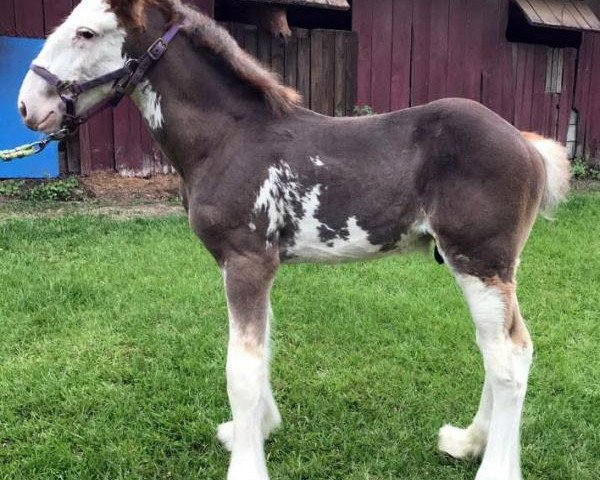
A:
32	148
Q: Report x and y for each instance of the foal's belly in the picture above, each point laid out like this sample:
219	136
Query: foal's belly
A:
313	242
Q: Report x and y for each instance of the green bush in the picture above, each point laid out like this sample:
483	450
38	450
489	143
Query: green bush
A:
363	111
46	190
11	188
579	169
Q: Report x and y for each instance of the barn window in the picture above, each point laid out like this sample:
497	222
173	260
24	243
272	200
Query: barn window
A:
554	70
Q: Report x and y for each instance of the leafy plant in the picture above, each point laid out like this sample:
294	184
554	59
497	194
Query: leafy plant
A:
580	169
54	190
11	188
46	190
363	111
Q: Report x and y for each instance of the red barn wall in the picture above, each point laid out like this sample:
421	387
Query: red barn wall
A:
415	51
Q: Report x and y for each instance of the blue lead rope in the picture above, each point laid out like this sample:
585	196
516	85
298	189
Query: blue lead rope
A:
32	148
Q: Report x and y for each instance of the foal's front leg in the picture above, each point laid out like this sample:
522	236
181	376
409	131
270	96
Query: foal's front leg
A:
248	283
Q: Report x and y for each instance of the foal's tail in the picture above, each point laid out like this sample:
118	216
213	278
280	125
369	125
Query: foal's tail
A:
558	171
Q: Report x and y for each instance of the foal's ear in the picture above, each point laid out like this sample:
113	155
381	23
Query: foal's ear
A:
129	12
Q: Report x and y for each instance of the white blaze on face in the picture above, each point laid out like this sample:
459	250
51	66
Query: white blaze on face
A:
72	57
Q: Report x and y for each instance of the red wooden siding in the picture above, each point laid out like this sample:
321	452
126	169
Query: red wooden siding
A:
587	96
409	52
415	51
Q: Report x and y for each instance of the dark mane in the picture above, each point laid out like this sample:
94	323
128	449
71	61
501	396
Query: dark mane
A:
206	33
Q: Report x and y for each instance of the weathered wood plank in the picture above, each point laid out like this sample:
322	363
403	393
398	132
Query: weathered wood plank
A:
401	54
328	66
473	50
362	23
529	83
457	18
86	149
579	18
589	16
539	79
491	94
237	32
341	58
545	13
54	14
251	40
520	119
566	95
317	102
278	56
303	77
592	142
381	56
291	61
562	12
128	139
73	155
582	89
438	56
264	47
102	142
351	71
529	11
149	160
422	12
7	19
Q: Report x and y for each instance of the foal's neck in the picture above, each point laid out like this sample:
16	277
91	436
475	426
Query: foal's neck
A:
191	101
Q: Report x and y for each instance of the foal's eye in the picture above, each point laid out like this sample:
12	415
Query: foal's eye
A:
85	33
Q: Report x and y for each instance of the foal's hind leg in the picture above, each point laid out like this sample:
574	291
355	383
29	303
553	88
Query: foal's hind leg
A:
248	283
506	349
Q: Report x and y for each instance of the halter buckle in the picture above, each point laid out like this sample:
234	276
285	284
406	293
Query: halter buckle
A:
157	49
64	86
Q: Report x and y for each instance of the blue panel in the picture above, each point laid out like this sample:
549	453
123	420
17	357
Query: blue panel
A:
15	56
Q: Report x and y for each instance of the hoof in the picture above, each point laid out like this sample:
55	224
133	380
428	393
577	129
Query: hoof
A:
461	443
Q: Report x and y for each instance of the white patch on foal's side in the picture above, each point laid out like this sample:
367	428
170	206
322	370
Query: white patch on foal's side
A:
308	244
277	191
148	101
316	161
283	200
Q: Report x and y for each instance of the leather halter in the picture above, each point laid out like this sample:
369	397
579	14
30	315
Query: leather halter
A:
125	80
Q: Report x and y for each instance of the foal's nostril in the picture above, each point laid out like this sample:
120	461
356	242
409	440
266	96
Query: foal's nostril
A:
23	110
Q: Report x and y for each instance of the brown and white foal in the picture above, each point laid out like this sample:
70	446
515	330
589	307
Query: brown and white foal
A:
267	182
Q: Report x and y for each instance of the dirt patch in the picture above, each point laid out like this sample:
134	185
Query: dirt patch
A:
113	187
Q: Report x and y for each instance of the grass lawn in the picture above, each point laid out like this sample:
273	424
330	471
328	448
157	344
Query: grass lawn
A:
112	352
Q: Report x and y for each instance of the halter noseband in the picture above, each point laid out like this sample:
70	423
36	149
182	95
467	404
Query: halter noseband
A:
125	78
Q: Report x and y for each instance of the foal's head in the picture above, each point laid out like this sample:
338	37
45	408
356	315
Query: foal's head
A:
89	43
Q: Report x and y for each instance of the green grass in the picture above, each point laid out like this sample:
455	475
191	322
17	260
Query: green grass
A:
112	347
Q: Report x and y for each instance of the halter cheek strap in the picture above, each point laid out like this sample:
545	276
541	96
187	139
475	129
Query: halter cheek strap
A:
125	80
